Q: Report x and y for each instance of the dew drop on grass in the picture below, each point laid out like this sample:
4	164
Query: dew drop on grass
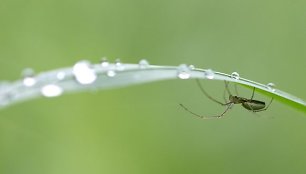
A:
271	86
143	64
110	73
191	67
104	62
119	65
83	73
183	72
235	76
209	74
51	90
60	75
28	77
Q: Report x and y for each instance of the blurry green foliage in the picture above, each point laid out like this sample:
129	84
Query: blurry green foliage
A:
142	129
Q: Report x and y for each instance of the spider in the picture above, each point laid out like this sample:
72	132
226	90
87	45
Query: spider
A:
249	104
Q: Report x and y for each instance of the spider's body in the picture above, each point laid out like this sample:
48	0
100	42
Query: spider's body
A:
249	104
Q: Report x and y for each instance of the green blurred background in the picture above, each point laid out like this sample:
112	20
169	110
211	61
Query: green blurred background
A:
142	129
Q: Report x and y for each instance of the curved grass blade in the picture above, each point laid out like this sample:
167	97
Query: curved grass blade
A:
84	76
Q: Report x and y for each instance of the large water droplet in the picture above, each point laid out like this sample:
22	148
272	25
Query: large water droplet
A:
28	77
209	74
143	63
51	90
119	65
104	62
271	86
83	73
183	72
235	76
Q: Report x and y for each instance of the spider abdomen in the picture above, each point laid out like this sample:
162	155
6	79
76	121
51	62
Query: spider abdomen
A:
254	105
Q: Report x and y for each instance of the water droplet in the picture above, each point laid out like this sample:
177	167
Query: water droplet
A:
235	76
209	74
28	72
183	72
29	81
60	75
83	73
191	67
28	77
51	90
111	73
104	62
143	63
119	65
271	86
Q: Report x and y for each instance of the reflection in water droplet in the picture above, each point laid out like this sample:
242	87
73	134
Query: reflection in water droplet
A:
119	65
28	77
271	86
209	74
29	81
235	76
60	75
104	62
51	90
111	73
143	63
83	73
183	72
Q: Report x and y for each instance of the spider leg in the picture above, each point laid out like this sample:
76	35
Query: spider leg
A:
209	117
224	96
253	93
207	95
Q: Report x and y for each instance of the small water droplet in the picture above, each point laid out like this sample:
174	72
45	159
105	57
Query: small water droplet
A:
271	86
119	65
235	76
209	74
29	81
83	73
104	62
51	90
183	72
143	63
28	77
111	73
28	72
60	75
191	67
